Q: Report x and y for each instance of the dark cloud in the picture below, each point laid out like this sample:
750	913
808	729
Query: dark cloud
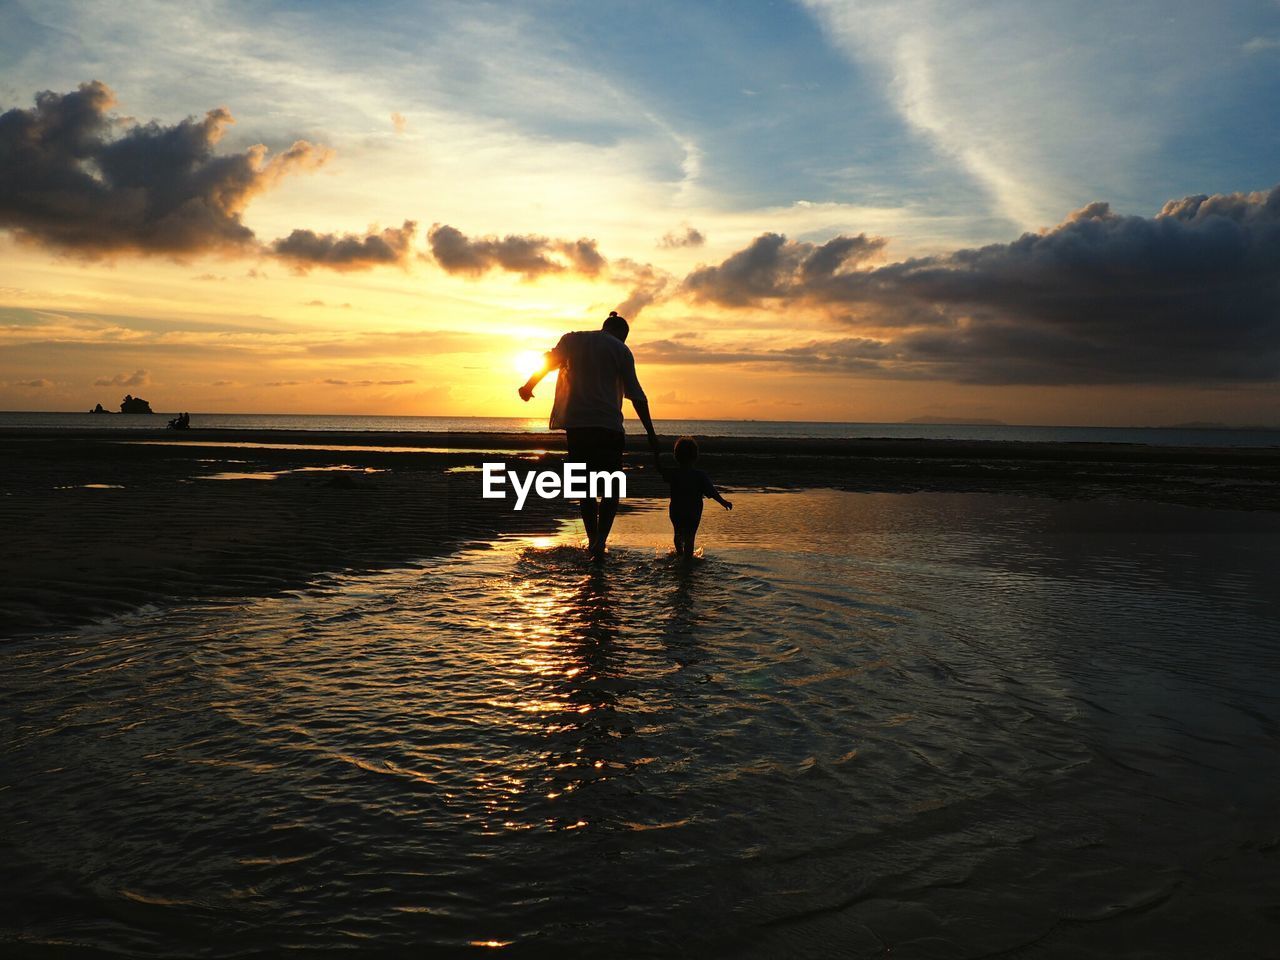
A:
688	237
583	256
282	383
773	267
73	176
844	355
647	282
304	249
1191	295
531	256
139	378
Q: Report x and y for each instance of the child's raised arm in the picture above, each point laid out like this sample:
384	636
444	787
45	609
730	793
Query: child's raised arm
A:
709	489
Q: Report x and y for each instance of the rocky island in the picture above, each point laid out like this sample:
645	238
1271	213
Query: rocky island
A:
132	404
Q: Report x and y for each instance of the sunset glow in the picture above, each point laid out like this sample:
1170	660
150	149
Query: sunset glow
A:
808	211
526	362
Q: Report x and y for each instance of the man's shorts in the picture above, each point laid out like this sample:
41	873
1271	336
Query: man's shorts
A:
598	447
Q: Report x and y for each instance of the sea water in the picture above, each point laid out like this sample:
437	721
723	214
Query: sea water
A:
860	724
1182	436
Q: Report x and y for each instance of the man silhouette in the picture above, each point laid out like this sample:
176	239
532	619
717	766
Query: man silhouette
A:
596	372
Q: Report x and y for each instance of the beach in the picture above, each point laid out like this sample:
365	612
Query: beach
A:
274	694
100	522
925	358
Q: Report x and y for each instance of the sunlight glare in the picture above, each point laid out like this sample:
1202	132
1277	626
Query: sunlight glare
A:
526	362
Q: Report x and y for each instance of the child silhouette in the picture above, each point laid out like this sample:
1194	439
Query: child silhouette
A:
688	487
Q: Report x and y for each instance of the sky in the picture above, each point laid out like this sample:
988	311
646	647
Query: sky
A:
1024	211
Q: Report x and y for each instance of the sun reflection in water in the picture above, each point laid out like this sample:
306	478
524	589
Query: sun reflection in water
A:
558	673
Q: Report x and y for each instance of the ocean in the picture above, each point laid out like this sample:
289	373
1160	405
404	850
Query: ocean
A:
930	724
1153	436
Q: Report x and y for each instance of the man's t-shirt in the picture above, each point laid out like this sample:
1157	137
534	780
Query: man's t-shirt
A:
596	372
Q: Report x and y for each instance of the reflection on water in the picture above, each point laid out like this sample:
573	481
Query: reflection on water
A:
341	468
941	725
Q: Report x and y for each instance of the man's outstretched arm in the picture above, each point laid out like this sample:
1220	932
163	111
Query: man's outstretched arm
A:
549	363
632	390
642	411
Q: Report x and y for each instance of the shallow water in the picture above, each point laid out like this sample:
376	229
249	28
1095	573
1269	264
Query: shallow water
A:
931	724
1178	436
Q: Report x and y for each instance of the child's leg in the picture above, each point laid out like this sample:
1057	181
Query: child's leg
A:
690	535
685	531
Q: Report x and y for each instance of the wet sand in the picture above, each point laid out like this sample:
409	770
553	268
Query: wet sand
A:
104	522
96	528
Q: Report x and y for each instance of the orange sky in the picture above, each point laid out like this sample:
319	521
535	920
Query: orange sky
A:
803	229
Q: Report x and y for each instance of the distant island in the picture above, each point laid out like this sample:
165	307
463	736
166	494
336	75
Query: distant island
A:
130	404
957	421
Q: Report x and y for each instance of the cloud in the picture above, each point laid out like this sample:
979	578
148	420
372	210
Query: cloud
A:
1191	295
139	378
1260	45
773	267
333	382
531	256
38	384
304	249
843	355
648	284
403	343
534	256
689	237
399	122
282	383
74	177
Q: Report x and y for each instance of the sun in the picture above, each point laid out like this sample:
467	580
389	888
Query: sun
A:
526	361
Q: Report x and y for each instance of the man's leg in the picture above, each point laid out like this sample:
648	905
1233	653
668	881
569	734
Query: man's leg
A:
589	516
608	510
578	451
607	455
